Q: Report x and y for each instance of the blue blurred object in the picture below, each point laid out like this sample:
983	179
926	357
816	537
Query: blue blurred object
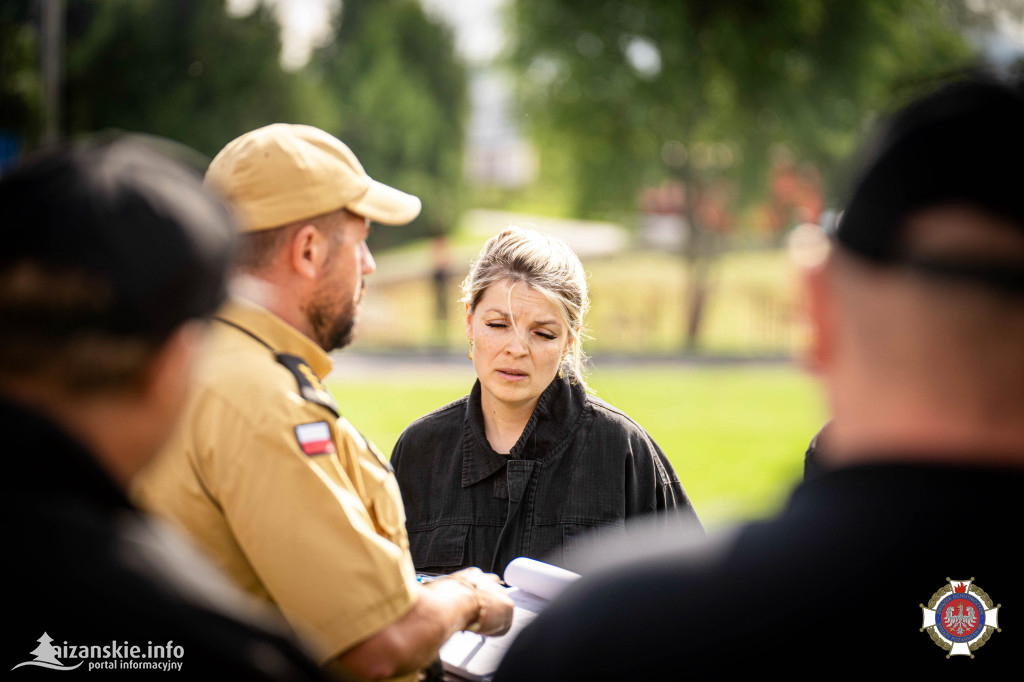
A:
10	149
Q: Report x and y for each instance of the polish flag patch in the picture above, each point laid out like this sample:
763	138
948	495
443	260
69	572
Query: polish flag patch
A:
315	438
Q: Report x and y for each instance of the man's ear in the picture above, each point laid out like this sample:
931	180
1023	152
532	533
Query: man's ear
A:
819	292
306	251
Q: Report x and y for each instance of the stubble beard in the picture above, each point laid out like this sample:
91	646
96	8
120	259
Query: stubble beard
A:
334	334
332	330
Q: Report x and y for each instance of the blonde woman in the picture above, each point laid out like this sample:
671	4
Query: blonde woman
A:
529	459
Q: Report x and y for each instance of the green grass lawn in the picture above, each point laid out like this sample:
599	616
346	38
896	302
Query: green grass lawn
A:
735	434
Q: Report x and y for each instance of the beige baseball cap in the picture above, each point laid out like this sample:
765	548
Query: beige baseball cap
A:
283	173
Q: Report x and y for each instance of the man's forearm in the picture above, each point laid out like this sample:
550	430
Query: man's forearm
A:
411	643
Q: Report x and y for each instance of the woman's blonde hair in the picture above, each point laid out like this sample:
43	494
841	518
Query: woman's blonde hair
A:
545	264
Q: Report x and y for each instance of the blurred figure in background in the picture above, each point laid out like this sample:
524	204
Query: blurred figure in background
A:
528	460
918	314
113	259
288	497
441	258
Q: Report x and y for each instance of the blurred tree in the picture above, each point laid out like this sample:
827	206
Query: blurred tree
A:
185	70
388	84
632	93
614	82
20	81
400	96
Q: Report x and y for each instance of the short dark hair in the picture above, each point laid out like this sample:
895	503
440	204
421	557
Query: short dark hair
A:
110	246
257	248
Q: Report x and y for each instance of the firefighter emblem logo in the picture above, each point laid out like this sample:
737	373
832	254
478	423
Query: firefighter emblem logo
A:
960	617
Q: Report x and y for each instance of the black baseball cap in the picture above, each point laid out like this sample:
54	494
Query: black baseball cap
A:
121	213
962	144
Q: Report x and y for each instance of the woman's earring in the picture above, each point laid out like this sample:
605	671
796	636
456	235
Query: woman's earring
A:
561	366
471	349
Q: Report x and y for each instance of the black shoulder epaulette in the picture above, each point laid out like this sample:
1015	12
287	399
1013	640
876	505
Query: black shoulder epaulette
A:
310	387
377	455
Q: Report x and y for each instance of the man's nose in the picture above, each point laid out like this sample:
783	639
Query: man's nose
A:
369	265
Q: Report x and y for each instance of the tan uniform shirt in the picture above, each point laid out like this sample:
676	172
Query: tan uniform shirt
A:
287	497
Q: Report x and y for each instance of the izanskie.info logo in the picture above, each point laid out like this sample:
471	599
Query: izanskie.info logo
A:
113	656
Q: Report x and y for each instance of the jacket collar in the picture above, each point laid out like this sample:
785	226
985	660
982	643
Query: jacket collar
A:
52	464
275	333
546	436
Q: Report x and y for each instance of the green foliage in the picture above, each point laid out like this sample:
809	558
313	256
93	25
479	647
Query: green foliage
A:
184	70
20	83
399	96
389	85
727	80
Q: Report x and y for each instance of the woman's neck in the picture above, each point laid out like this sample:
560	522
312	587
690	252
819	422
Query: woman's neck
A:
504	423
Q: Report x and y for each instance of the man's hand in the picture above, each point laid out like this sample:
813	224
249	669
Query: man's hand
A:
467	599
494	616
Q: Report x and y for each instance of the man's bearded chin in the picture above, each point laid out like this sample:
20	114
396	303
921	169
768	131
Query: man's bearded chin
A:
333	333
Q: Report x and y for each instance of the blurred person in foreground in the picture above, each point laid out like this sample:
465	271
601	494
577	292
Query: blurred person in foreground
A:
918	318
529	460
113	259
290	500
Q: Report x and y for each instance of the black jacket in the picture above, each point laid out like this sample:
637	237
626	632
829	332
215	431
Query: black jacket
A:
832	588
86	568
580	466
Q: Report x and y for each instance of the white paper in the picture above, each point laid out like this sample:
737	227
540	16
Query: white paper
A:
536	577
474	657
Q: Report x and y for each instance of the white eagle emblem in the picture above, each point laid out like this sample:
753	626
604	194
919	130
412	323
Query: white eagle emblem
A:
960	617
960	622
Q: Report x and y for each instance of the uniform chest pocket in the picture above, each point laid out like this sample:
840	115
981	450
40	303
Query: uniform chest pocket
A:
388	509
438	548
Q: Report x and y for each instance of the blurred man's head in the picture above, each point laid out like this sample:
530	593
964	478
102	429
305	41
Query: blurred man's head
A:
305	206
113	254
919	311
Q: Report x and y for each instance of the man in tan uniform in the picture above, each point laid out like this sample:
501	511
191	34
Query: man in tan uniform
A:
265	473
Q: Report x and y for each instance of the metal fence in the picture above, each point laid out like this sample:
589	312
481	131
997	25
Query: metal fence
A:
640	306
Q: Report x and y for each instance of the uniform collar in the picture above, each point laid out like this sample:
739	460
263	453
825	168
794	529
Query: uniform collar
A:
547	434
274	332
